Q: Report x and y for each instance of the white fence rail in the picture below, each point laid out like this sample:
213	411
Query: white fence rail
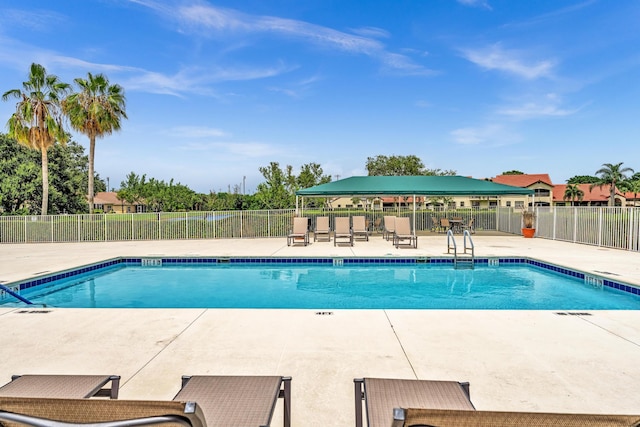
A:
611	227
614	227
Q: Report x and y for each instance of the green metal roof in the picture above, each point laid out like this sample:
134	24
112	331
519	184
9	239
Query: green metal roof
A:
412	185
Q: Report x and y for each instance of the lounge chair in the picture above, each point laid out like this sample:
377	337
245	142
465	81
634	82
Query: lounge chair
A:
238	400
97	412
300	232
469	226
403	233
455	418
322	229
342	230
63	386
359	228
389	227
381	396
445	225
435	224
377	225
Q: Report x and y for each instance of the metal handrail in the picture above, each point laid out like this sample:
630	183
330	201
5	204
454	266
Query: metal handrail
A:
466	235
15	295
451	238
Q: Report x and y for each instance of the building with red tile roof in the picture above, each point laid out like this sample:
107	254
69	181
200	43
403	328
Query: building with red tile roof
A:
596	196
540	183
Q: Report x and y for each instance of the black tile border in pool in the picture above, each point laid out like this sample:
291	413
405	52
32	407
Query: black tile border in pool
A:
137	261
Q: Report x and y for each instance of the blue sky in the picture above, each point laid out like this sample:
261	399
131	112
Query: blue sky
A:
217	89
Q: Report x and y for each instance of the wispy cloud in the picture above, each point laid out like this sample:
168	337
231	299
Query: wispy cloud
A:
211	21
33	20
241	149
196	132
494	57
371	32
548	106
491	134
476	3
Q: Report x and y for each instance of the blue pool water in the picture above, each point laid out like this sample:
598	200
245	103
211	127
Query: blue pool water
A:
412	286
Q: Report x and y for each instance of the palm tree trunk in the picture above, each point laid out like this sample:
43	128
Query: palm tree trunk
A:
45	181
92	149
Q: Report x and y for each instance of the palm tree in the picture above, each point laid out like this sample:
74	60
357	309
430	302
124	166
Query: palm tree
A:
96	110
632	186
572	192
610	174
37	122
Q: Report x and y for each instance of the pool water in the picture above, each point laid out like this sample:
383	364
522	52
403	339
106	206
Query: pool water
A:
413	286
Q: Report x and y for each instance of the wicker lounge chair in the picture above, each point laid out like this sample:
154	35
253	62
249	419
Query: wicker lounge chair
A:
97	412
342	230
389	227
64	386
359	228
454	418
300	232
322	229
381	396
238	400
403	233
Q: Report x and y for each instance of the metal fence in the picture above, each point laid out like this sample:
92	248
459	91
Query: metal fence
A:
144	226
200	225
614	227
611	227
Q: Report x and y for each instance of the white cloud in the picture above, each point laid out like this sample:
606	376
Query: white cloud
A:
238	150
491	134
195	132
511	61
33	20
208	20
548	106
371	32
476	3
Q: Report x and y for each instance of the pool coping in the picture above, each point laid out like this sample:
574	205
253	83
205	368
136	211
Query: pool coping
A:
151	261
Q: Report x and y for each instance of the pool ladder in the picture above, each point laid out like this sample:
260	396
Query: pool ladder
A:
465	260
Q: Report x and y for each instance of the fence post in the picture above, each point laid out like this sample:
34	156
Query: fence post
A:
241	223
186	225
630	233
575	224
79	230
600	227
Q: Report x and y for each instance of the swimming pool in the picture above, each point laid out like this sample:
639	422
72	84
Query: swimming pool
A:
329	284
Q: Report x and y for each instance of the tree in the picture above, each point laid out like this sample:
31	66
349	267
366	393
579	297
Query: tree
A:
394	165
401	166
513	172
611	175
132	189
572	192
20	178
583	179
273	193
37	122
96	110
632	186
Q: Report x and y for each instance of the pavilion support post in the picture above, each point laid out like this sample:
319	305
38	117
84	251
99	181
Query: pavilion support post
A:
414	214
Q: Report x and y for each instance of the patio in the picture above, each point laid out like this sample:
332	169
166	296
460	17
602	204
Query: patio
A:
514	360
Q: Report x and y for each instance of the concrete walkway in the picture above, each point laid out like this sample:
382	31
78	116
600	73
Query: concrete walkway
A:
514	360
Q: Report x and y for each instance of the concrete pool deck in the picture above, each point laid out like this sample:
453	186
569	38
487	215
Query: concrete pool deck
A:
514	360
